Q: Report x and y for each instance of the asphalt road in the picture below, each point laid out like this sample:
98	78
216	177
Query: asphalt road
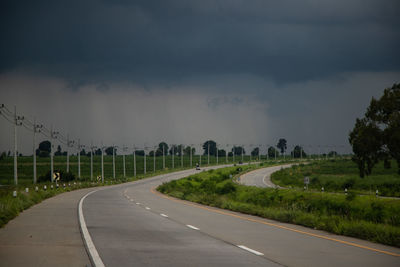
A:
261	177
133	225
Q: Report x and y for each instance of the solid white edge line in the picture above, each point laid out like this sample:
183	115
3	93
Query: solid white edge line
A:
193	227
263	180
164	215
91	249
250	250
147	208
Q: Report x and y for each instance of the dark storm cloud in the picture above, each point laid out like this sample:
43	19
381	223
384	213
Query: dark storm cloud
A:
166	41
238	72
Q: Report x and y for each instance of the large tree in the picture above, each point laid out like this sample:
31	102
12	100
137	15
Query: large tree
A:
58	152
296	152
109	151
176	150
139	152
366	141
221	153
97	152
162	146
255	152
282	145
44	149
271	152
385	112
186	151
213	148
237	150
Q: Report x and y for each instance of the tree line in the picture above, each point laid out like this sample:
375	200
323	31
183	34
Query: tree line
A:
209	146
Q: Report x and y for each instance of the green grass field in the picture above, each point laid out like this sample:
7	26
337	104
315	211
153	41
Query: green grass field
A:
366	217
336	175
25	166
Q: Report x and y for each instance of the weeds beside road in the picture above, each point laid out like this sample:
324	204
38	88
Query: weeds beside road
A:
365	217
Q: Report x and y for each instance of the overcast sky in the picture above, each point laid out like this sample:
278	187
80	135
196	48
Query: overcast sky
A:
237	72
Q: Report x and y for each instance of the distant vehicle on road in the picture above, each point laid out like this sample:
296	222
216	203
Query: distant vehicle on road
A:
197	166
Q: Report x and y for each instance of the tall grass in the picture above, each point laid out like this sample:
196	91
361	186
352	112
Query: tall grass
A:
337	175
365	217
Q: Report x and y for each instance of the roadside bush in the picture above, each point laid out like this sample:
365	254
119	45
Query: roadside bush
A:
227	188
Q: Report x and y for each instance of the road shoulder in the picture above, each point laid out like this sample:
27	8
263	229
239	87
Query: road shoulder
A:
47	234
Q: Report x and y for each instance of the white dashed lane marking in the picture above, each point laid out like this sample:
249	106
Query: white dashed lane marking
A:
193	227
251	250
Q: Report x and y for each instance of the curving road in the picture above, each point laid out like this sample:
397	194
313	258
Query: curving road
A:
261	177
133	225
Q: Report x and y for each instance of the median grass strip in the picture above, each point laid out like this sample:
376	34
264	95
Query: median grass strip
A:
337	175
365	217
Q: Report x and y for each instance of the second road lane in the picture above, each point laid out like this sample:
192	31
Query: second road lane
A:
133	225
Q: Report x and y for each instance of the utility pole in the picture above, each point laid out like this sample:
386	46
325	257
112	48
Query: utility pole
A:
275	152
134	161
173	152
53	135
200	156
15	146
79	157
259	150
91	160
216	148
181	156
102	162
226	154
113	150
68	152
251	145
17	122
70	143
191	145
208	150
154	159
36	129
144	164
124	149
233	153
163	156
242	152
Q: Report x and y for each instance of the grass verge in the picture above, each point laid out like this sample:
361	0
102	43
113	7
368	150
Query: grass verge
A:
365	217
